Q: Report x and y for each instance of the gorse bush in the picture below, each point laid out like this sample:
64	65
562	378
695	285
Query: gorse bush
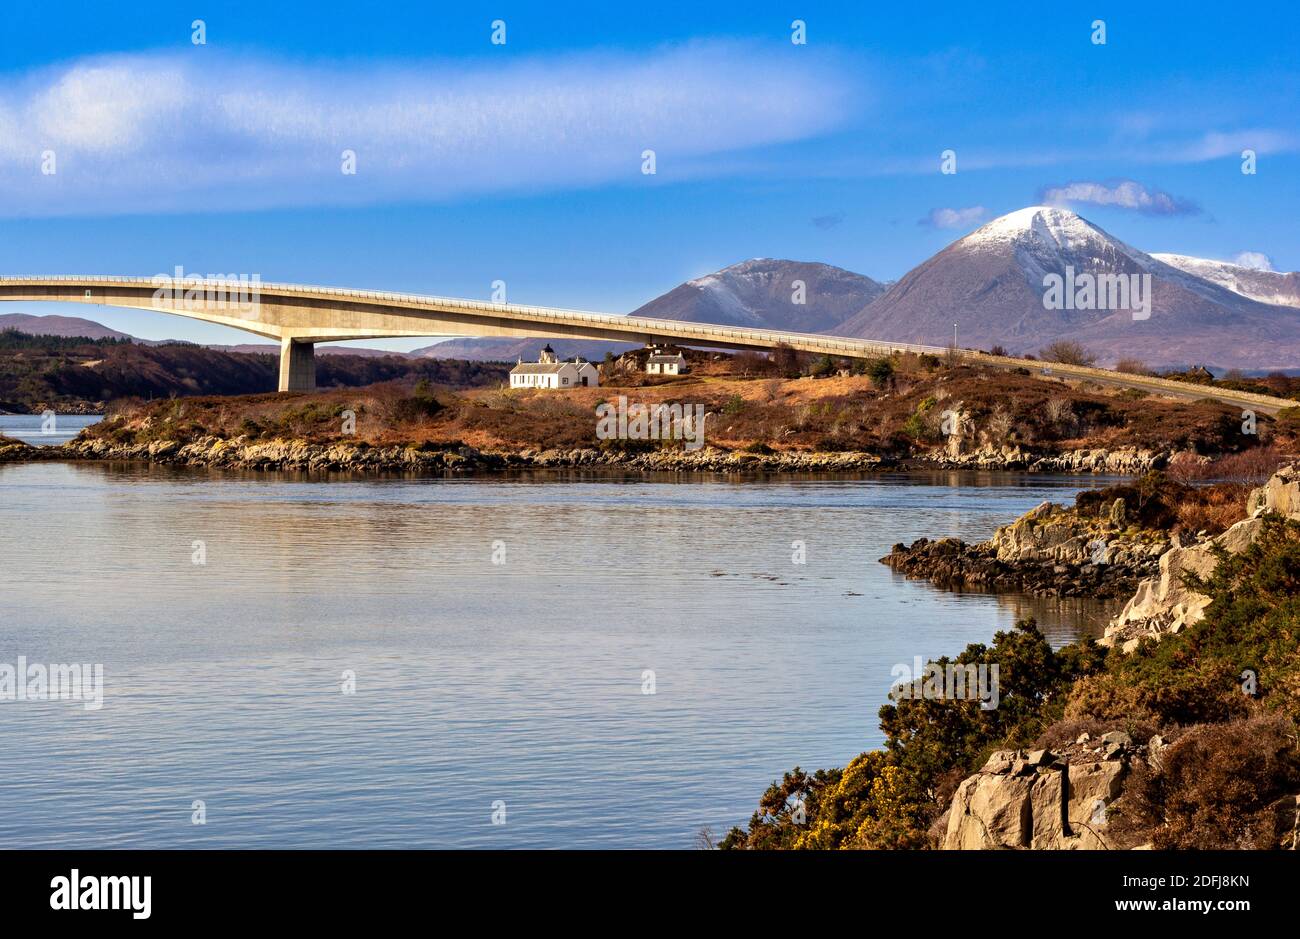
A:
888	798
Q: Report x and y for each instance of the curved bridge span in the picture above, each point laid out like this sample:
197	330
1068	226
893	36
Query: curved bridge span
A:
301	315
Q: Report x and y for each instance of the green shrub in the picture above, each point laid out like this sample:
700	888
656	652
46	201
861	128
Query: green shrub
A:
881	372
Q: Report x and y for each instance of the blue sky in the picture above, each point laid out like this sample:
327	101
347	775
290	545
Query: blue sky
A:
522	162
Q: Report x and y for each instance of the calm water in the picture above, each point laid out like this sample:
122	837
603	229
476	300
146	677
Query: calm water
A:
475	682
40	432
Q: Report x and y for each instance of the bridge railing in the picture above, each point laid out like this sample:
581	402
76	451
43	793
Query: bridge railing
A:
628	323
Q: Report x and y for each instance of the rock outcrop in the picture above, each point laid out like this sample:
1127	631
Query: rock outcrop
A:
1124	461
1044	799
1164	604
966	446
1048	551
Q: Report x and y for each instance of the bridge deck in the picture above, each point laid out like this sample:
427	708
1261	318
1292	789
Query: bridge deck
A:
301	314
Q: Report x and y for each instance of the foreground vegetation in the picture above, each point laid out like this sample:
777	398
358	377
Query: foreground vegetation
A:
1223	696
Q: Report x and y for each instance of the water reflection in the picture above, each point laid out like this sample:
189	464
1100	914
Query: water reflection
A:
45	430
520	681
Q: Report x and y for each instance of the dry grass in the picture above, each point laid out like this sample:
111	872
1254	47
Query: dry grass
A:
1249	468
1220	787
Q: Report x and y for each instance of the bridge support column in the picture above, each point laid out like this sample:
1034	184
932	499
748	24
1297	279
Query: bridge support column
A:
297	365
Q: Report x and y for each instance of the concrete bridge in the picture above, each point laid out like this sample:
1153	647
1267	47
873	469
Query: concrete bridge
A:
300	315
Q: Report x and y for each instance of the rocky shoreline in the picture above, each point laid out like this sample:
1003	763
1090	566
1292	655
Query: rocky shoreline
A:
1049	551
240	453
299	455
1124	461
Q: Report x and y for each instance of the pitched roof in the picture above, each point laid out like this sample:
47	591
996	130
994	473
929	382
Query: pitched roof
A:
668	359
538	368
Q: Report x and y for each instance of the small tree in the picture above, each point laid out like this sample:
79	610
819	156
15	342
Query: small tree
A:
881	372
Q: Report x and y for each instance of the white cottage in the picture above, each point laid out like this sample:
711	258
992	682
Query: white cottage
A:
660	364
549	372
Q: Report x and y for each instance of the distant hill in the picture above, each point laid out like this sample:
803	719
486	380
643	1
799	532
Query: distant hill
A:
761	294
76	326
58	326
1264	286
268	348
512	350
59	374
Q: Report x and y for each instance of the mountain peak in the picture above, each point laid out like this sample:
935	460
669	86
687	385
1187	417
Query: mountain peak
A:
1043	223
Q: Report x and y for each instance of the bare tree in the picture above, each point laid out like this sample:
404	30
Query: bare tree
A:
1000	423
1067	352
1060	412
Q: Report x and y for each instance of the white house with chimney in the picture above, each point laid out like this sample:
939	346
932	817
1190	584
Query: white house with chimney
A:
660	363
549	372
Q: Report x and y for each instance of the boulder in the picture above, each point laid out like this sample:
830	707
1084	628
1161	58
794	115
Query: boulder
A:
1000	762
1075	819
1280	494
991	812
1055	806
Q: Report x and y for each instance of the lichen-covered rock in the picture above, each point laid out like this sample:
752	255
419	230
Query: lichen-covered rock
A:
1041	800
1280	494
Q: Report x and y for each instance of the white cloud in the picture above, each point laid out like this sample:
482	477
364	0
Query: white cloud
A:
1254	259
184	132
1123	194
954	218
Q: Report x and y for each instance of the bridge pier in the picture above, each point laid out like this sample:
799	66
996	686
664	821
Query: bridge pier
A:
297	365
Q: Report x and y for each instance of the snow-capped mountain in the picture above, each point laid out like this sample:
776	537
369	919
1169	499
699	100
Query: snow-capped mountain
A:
759	293
993	284
1264	286
765	293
